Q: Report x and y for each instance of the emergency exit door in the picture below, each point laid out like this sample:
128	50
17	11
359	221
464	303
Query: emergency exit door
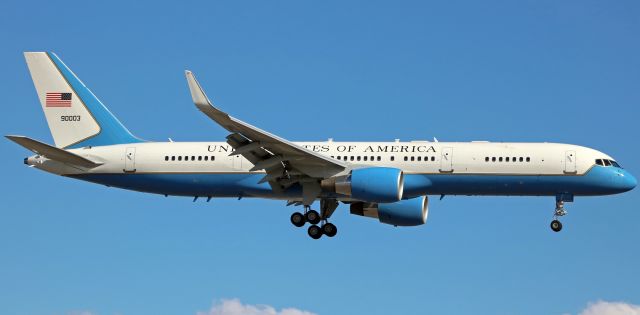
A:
130	160
446	160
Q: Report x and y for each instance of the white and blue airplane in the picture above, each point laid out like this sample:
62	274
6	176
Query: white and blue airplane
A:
389	181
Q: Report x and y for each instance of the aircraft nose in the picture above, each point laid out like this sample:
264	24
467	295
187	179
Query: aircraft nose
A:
631	182
626	181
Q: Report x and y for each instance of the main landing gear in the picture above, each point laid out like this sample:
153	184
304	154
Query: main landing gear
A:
556	225
314	218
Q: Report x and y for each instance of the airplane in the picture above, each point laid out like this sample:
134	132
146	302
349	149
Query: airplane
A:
387	181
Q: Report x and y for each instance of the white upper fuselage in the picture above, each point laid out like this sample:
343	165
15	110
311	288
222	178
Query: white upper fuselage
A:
417	157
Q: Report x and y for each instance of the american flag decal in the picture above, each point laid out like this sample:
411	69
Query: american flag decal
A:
58	100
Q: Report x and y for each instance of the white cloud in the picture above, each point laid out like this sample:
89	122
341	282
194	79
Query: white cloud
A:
611	308
235	307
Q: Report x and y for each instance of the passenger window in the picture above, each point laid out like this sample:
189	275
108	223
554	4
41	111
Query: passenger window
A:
500	159
199	157
493	159
521	159
206	158
513	159
166	158
373	158
358	158
393	158
365	158
607	162
419	158
406	158
173	158
213	158
379	158
186	158
433	158
413	158
180	158
344	158
193	158
351	158
507	159
528	159
486	159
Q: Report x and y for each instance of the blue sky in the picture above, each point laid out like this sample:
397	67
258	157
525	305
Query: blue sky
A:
561	71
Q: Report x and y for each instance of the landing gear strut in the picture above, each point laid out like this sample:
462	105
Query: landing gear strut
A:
314	217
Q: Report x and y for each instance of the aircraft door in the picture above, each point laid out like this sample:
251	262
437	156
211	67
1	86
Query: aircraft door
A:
130	160
570	162
446	160
237	162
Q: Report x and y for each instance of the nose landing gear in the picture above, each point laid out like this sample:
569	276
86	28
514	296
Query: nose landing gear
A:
556	225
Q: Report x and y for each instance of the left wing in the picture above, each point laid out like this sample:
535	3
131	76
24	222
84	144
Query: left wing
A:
284	162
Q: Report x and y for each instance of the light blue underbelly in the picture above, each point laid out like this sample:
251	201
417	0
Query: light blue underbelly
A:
597	181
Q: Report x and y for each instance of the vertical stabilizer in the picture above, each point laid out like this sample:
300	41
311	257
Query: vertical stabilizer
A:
75	116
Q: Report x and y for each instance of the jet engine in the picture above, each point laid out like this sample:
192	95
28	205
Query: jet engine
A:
371	184
408	212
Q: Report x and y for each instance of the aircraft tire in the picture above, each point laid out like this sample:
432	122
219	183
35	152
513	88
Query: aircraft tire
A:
298	219
329	229
312	216
314	232
556	226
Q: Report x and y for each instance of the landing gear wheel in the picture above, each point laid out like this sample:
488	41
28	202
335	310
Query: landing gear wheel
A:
315	232
556	226
298	219
329	230
312	216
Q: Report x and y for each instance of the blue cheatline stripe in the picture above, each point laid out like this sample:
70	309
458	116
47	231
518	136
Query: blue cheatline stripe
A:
112	131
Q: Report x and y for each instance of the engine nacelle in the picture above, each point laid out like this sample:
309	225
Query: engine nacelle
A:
371	184
408	212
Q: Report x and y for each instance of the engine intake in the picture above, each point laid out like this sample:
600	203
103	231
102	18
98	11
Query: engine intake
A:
371	184
408	212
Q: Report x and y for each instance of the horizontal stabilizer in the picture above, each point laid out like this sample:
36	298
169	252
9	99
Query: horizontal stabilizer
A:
52	152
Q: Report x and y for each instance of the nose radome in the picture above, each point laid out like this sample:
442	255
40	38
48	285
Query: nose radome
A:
626	181
632	182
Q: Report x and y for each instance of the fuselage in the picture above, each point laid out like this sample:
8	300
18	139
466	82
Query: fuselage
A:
431	168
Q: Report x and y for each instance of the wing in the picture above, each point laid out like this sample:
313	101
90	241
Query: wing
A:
284	162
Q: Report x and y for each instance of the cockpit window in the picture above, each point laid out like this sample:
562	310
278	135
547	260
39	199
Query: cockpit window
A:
606	162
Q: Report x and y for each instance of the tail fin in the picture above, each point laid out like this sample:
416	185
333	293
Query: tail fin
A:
75	116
